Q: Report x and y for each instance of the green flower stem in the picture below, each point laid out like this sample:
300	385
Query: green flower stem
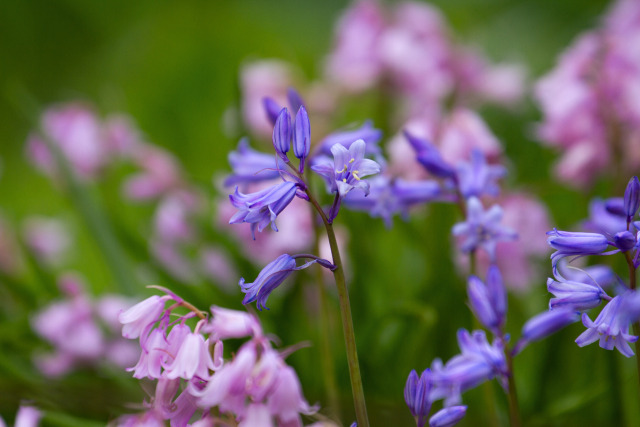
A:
347	321
636	325
93	216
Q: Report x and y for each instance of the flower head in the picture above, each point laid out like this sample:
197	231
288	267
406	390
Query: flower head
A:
611	327
348	169
249	165
482	229
544	324
575	295
416	395
447	417
261	208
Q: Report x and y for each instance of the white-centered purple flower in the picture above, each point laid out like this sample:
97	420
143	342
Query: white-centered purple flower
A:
482	229
348	168
416	395
261	208
611	328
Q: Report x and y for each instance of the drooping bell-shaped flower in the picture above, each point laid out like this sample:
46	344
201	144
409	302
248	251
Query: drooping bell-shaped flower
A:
447	417
574	295
544	324
262	208
192	360
141	316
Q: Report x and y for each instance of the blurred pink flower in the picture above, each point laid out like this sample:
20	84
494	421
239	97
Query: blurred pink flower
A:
160	173
47	238
260	79
77	132
354	62
218	266
463	131
122	136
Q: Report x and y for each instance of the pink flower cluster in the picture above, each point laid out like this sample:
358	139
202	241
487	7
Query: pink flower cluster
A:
255	388
410	47
81	331
591	100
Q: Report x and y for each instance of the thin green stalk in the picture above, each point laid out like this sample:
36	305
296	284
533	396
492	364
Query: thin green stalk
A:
347	321
94	218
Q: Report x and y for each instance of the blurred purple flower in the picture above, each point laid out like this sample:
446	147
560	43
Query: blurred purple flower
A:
482	229
249	165
416	395
447	417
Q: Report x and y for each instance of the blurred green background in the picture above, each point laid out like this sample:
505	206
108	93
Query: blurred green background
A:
173	66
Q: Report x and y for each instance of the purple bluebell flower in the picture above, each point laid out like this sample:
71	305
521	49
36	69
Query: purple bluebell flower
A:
574	295
271	276
389	197
272	109
482	229
601	275
478	362
282	135
429	157
476	177
568	243
249	165
261	208
370	135
624	240
348	168
606	216
611	327
302	137
295	100
447	417
632	198
544	324
489	302
416	395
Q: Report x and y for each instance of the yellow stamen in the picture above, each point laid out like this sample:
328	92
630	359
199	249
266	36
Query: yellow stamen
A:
344	169
352	160
344	179
355	174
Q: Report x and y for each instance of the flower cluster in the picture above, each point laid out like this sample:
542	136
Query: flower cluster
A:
82	332
589	108
255	387
584	291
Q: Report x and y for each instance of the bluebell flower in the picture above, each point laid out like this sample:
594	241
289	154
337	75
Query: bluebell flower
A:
282	135
476	177
575	295
390	197
249	165
370	135
429	156
568	243
347	169
489	302
482	229
272	109
416	395
478	362
295	100
625	241
261	208
271	276
601	275
302	137
447	417
611	327
632	198
606	216
544	324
